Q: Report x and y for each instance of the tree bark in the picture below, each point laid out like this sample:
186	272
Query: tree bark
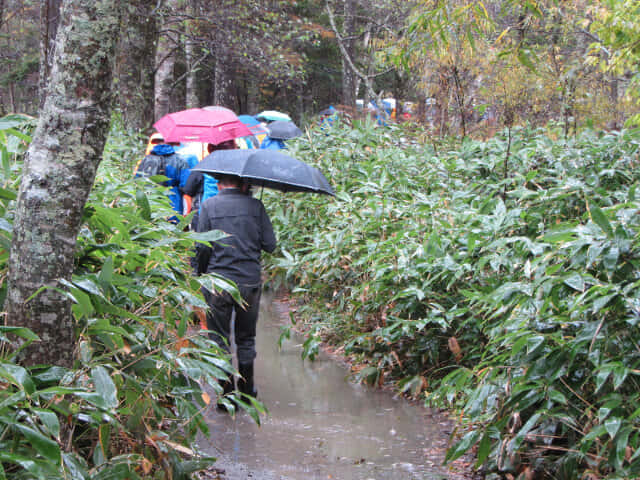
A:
192	93
135	68
348	75
2	4
191	60
165	63
58	173
49	19
223	94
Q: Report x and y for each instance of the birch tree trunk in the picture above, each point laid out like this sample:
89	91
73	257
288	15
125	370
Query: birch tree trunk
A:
58	173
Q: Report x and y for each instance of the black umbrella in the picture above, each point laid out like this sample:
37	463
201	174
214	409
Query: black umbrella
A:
266	168
283	130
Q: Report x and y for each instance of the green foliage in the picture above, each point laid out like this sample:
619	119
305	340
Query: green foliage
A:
133	404
619	50
511	297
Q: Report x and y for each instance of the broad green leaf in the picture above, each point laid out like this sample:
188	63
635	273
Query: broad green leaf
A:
557	397
76	469
575	281
28	463
105	387
17	375
612	425
45	446
50	421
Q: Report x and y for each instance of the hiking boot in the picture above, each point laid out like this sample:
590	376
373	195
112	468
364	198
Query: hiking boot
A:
245	384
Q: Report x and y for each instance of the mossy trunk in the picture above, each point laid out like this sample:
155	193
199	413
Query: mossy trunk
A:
58	174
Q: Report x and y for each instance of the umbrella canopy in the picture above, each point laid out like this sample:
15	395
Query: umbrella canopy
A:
255	127
208	125
283	130
267	168
248	120
272	116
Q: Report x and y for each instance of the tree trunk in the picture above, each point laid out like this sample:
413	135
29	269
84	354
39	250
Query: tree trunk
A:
136	64
348	75
192	93
223	94
615	103
58	173
2	4
49	19
165	63
190	58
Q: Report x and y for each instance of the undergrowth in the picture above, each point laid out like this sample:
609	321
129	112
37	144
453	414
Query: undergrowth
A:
500	280
134	402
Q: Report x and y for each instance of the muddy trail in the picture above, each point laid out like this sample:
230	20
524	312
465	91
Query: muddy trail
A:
322	426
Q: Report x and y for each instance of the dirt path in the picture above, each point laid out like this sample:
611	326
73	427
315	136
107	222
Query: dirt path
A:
321	426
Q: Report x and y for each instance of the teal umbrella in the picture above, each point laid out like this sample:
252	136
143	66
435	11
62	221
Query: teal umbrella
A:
272	116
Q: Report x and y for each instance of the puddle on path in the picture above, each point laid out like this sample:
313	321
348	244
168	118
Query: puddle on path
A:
321	426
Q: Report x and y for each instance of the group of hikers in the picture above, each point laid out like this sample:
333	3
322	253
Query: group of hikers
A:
220	202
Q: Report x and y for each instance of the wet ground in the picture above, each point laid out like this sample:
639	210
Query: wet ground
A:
321	426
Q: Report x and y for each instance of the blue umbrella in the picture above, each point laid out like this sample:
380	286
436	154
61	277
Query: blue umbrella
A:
248	120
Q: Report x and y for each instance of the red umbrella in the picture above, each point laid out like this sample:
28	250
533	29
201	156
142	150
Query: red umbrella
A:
207	125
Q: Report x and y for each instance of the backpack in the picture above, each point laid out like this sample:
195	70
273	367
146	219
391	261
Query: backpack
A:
152	165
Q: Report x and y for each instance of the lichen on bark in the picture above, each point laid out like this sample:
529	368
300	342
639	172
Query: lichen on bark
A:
58	174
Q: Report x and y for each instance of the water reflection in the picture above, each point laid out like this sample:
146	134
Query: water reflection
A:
320	426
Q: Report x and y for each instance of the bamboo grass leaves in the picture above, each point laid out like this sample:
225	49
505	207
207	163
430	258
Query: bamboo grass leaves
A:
514	298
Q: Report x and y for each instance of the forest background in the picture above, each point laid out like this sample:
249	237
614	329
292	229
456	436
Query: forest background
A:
497	278
458	61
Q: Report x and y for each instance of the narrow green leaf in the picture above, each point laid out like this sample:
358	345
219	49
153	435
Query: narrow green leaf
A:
600	219
484	448
143	204
106	273
468	441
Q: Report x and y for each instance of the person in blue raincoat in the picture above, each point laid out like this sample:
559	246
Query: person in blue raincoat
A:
272	144
164	160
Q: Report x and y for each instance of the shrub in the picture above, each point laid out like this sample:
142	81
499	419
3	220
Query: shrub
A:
503	285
